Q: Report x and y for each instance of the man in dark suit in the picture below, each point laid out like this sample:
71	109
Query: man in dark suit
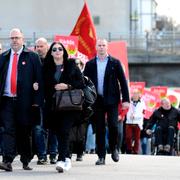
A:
108	76
19	69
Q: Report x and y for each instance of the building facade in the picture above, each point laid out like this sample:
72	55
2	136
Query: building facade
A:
113	19
46	18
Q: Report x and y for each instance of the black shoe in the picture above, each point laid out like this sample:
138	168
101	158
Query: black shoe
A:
42	162
100	161
6	166
92	151
26	167
79	158
52	160
115	155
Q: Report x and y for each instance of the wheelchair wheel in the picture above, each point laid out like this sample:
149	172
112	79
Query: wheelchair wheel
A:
178	142
153	146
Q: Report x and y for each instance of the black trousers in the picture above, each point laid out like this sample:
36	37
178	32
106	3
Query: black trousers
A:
64	121
164	136
16	138
105	116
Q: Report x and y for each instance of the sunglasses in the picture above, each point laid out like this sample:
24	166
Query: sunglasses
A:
57	49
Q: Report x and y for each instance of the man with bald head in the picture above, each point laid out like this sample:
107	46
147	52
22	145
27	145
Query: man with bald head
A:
19	69
108	76
41	47
39	131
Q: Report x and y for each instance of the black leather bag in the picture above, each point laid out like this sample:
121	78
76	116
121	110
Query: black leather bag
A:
67	100
90	94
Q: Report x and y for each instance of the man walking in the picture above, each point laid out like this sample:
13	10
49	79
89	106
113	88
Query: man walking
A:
107	74
19	69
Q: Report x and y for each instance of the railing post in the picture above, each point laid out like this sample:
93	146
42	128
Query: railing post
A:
109	36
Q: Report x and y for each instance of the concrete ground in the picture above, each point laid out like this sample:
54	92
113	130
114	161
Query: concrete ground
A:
130	167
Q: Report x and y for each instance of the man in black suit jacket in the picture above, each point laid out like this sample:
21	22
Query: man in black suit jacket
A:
16	105
108	76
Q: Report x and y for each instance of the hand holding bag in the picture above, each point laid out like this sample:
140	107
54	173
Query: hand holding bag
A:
70	99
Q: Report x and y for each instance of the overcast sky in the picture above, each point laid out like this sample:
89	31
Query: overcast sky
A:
169	8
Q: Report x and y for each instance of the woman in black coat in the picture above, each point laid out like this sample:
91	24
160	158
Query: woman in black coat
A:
59	73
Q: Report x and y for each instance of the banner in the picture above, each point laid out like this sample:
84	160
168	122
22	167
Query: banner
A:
174	97
70	43
151	99
86	33
161	91
118	49
137	85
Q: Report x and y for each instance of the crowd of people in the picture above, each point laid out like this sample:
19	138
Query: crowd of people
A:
29	125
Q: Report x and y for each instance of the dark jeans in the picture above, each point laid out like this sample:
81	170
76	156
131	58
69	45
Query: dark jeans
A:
40	141
52	144
99	117
144	144
164	136
15	136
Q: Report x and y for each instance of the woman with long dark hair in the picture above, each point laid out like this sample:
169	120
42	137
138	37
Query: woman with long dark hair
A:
59	73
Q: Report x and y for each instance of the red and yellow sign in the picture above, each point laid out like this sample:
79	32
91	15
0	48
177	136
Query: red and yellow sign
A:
137	85
151	99
70	43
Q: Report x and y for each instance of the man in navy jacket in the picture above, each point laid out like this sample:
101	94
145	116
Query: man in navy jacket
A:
108	76
16	106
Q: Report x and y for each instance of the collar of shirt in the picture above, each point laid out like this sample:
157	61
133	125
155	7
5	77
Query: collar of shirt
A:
19	52
102	60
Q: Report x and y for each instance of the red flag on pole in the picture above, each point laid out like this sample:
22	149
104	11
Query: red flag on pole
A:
86	32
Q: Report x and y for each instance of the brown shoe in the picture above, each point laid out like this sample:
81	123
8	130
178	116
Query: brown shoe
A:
6	166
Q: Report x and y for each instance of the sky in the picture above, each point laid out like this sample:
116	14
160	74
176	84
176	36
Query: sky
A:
170	8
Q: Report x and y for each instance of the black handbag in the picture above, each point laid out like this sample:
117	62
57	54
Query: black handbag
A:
90	94
68	100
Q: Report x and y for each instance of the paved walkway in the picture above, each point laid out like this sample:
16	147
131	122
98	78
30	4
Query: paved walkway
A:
130	167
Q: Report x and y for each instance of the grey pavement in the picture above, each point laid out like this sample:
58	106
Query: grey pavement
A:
130	167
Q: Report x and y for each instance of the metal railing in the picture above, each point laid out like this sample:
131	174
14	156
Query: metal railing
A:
166	43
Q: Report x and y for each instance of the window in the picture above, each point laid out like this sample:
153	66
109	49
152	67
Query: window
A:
96	20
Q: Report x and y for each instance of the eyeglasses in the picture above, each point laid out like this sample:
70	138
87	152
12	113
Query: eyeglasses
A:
15	38
57	49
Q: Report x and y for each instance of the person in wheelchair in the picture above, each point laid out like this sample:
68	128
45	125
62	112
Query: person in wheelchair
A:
166	118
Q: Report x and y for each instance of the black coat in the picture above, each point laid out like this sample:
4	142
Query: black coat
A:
29	71
114	81
70	75
164	118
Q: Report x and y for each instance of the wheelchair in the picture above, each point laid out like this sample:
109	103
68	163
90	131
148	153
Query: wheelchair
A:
175	149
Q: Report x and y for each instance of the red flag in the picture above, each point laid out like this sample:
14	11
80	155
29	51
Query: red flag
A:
86	32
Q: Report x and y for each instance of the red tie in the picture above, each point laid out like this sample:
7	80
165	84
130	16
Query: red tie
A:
14	74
